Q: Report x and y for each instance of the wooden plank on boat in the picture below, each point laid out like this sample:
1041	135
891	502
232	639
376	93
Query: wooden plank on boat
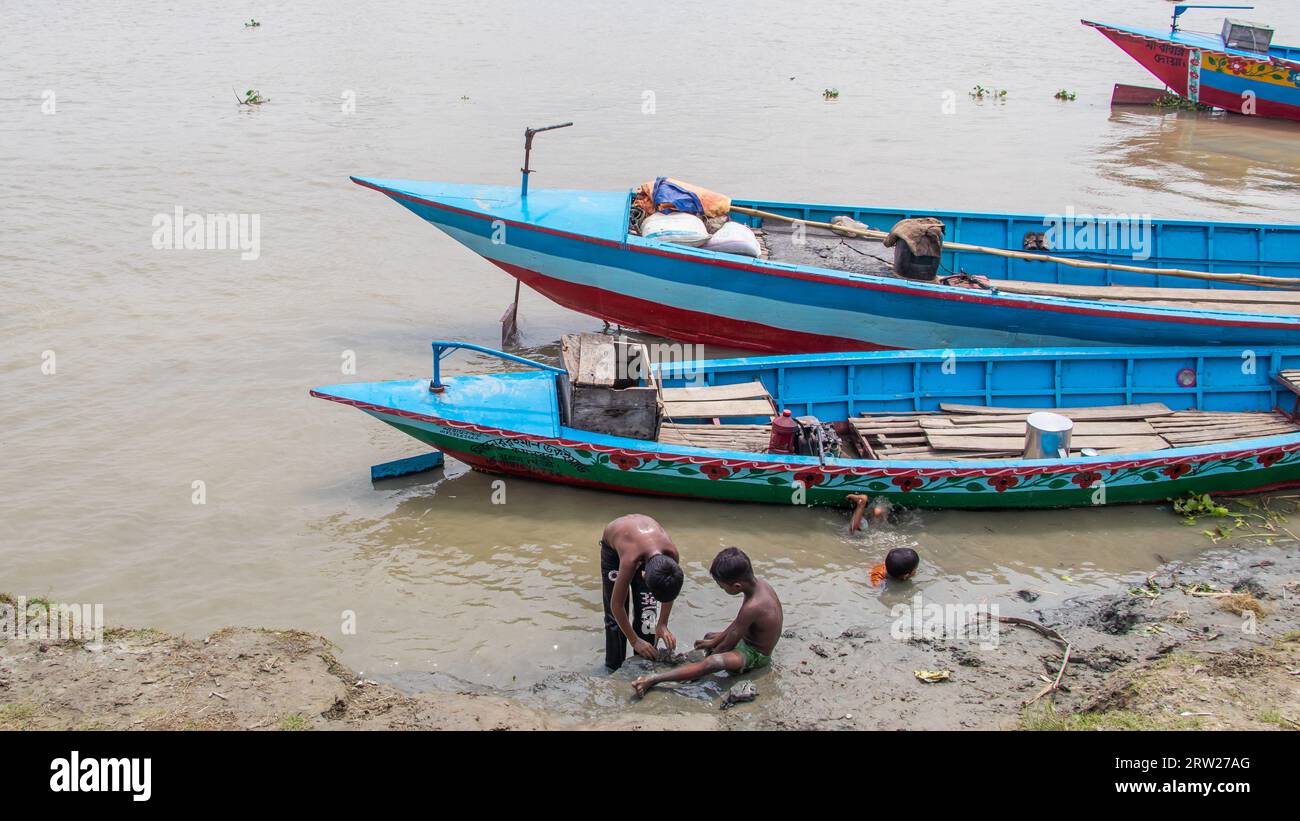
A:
1227	434
1134	427
718	409
1149	293
1123	95
707	393
596	361
749	438
1290	379
570	344
1143	411
984	443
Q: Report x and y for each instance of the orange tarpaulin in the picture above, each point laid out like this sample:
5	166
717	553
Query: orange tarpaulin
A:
715	204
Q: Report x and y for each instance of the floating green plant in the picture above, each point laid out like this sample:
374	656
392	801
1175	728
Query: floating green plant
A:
982	93
1064	95
831	94
1170	100
252	24
251	97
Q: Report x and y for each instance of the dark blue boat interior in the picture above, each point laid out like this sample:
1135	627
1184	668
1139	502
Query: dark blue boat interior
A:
1219	247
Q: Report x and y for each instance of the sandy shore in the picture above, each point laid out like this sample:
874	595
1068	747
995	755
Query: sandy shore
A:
1214	646
1172	650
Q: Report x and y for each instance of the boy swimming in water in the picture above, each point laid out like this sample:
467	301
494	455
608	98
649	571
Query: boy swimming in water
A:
748	641
900	565
869	512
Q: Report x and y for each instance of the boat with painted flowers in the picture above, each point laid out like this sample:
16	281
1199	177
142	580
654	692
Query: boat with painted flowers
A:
1236	69
928	429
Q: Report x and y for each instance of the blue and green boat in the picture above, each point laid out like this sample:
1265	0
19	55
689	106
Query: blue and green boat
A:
927	429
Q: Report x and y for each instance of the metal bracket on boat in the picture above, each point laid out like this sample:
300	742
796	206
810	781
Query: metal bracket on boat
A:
443	347
1182	7
529	133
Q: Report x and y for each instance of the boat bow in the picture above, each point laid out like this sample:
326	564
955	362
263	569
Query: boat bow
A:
459	208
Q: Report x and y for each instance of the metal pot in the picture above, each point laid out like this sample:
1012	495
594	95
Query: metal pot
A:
1047	435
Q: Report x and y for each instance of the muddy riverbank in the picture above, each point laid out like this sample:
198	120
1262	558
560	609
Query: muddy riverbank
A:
1211	644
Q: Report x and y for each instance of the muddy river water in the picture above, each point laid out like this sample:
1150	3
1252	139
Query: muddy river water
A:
130	373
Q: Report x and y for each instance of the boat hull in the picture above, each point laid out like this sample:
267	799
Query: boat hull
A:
735	302
944	486
1231	81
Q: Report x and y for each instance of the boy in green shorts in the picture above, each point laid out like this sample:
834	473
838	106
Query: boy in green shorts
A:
748	641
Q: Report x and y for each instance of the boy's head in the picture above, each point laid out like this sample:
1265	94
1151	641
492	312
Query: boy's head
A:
901	563
731	569
878	510
664	577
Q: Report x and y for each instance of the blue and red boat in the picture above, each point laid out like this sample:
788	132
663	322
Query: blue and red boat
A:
1236	70
576	248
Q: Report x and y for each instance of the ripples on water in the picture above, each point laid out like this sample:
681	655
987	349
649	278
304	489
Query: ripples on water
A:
175	367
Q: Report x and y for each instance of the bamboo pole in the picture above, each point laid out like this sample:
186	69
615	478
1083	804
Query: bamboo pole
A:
1282	283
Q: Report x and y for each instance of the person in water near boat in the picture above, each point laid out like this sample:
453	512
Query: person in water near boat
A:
749	640
868	512
900	565
637	555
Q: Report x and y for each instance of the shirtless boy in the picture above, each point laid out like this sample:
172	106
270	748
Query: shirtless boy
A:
748	641
637	555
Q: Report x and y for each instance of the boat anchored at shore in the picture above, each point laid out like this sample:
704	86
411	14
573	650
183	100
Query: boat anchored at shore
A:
1237	70
817	289
927	429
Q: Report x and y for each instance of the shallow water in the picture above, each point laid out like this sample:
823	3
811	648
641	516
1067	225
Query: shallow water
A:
183	366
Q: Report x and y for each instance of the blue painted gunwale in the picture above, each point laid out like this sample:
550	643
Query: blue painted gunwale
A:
582	235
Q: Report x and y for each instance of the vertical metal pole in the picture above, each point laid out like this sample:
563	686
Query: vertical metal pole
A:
436	385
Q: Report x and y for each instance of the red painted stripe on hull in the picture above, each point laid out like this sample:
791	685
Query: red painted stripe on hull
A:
680	323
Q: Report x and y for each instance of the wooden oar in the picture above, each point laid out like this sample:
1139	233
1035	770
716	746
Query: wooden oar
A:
1284	283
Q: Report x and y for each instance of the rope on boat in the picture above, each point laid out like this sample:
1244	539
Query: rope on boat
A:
1286	283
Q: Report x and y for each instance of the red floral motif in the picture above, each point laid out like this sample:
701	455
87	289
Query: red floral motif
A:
716	471
808	478
625	462
1087	478
1001	483
1174	471
1236	66
908	483
1267	459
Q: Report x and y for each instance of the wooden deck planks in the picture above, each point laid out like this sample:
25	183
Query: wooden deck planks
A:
932	435
1142	411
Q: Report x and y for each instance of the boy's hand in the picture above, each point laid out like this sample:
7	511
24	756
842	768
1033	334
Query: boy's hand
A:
707	642
645	649
669	640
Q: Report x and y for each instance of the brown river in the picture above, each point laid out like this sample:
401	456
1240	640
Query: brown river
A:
139	380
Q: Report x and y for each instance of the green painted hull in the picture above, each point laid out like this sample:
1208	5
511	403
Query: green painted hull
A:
943	486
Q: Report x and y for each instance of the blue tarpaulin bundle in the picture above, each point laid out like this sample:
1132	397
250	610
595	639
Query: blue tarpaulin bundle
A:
675	197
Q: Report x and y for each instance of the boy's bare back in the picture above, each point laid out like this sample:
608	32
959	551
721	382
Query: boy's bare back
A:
766	617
